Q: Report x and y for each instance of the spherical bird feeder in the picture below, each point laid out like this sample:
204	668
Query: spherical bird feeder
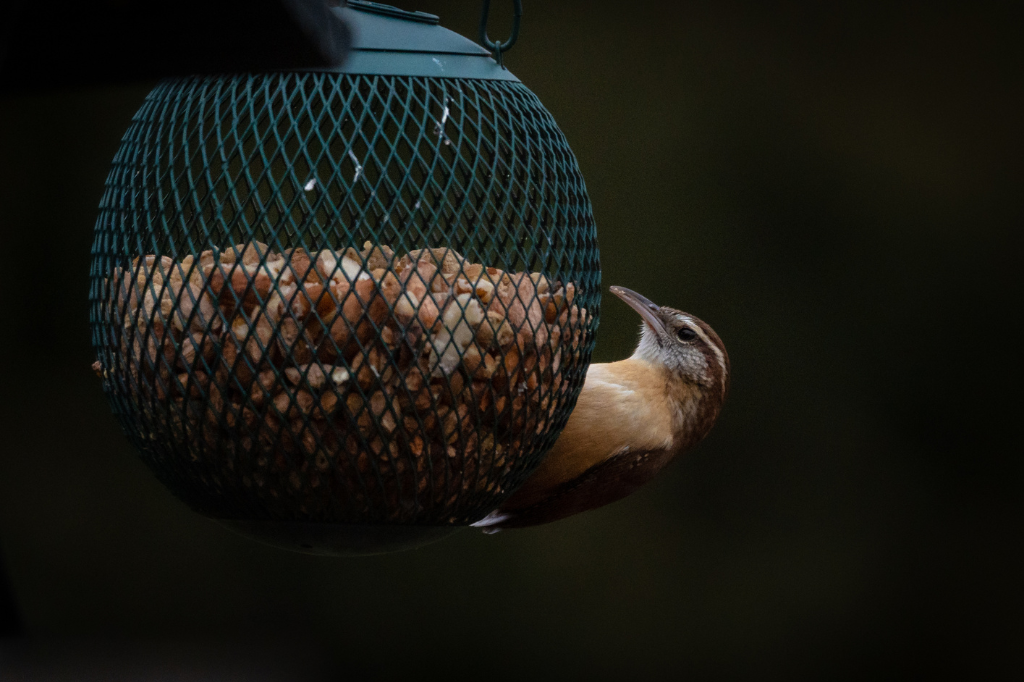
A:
346	310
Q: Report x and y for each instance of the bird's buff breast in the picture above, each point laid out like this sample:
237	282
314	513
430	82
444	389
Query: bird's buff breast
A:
624	407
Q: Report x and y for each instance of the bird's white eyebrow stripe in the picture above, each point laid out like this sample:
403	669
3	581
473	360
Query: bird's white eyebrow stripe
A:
714	346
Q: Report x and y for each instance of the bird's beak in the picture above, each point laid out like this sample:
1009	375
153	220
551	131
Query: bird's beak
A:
647	308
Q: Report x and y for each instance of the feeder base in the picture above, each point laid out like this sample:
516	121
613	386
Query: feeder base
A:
339	539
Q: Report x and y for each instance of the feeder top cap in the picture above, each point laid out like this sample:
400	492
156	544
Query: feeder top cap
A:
392	41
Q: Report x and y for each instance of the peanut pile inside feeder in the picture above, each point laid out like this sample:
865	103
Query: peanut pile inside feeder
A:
336	385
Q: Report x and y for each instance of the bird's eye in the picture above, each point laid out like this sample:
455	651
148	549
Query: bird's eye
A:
686	334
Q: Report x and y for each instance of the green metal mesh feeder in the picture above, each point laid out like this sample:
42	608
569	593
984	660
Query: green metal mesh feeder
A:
346	311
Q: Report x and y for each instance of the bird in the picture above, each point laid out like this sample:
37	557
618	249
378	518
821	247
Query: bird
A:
632	418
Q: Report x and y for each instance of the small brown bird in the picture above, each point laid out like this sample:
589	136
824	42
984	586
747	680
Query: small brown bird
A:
632	418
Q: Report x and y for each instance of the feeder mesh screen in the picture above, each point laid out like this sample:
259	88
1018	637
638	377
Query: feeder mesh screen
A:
266	369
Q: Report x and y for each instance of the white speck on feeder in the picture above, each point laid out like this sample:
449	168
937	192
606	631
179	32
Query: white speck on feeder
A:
439	127
359	168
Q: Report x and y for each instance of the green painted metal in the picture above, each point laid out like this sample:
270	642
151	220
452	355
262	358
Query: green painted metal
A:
330	161
391	11
394	44
496	47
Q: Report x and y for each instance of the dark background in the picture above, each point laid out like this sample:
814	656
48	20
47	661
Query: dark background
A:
836	189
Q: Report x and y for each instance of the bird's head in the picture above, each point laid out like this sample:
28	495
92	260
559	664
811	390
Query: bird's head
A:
683	343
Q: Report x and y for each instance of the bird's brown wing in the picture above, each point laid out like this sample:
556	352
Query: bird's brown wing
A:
601	484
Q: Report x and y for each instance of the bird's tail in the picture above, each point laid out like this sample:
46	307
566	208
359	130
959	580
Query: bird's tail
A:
488	523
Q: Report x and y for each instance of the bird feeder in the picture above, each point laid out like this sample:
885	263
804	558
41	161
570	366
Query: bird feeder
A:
346	310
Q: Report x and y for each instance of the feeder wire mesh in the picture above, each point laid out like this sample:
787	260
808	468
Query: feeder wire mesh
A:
344	298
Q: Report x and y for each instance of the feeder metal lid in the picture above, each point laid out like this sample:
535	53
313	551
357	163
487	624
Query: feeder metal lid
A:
394	42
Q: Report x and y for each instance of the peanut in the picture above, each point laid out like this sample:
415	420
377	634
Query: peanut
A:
330	365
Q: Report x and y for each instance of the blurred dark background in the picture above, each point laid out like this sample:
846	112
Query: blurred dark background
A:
836	188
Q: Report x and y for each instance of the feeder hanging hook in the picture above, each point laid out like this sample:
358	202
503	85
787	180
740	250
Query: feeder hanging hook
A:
499	48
